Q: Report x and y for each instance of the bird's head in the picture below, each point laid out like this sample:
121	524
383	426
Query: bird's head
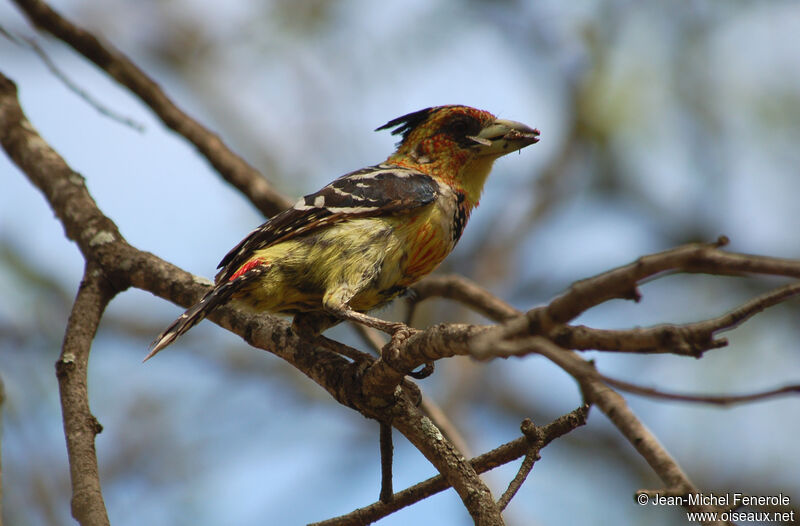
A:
457	143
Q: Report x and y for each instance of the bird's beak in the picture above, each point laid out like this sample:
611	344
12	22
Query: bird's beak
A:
504	136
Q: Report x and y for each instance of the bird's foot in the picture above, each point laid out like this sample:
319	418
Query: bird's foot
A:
400	332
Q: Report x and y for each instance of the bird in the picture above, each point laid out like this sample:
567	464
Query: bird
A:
369	235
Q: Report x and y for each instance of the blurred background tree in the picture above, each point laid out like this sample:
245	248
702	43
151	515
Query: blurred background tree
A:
662	123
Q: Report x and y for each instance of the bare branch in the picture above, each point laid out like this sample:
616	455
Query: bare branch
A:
458	472
616	409
69	83
497	457
231	167
722	400
536	439
622	283
387	452
80	426
433	411
466	292
690	339
369	336
84	223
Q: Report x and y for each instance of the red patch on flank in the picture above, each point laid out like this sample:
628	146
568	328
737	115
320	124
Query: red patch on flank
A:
247	266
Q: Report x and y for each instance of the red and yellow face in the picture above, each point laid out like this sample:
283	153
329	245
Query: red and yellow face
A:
457	144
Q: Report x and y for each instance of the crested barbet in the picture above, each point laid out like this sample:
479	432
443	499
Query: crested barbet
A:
363	239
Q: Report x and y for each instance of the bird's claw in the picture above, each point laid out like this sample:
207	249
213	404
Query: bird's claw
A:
400	332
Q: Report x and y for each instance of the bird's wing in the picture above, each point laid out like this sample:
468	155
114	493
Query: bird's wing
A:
385	189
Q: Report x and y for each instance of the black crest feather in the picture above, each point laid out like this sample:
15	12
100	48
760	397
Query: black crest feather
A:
405	124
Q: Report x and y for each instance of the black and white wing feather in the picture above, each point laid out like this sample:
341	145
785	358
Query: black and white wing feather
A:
384	189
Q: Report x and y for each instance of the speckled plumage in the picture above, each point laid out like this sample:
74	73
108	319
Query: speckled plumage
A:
362	239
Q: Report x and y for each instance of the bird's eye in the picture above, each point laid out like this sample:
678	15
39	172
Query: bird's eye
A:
460	126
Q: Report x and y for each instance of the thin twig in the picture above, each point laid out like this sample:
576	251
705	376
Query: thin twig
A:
466	292
387	452
722	400
535	439
613	405
230	166
69	83
497	457
369	336
80	92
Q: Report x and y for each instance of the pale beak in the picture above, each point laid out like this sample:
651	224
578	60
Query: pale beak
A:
504	136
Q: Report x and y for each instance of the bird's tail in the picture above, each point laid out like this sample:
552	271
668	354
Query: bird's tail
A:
217	296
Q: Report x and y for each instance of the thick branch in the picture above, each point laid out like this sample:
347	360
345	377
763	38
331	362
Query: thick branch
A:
80	426
233	168
440	341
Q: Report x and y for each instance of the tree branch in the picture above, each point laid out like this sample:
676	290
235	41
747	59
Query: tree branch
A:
71	85
536	439
497	457
721	400
622	282
466	292
387	453
592	385
458	472
616	409
80	426
691	339
230	166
